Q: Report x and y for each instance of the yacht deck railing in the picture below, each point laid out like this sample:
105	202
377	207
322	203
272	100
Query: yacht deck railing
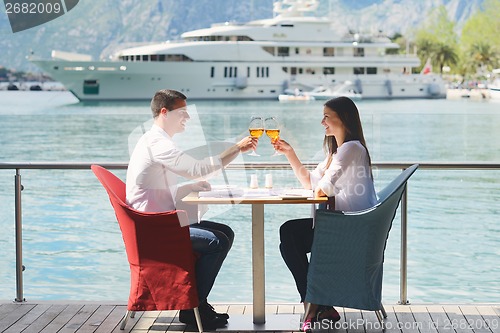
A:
403	296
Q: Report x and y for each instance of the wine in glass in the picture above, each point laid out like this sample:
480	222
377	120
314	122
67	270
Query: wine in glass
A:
256	129
272	131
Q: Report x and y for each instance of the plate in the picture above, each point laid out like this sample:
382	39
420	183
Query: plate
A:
296	194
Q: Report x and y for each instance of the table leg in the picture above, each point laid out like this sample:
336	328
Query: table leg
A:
258	265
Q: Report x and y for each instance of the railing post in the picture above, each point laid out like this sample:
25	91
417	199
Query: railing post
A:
19	238
403	297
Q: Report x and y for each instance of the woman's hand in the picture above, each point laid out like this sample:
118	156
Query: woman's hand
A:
282	146
201	186
318	193
247	143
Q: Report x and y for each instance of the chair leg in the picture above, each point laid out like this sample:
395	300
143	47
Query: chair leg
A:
198	319
383	311
380	320
124	320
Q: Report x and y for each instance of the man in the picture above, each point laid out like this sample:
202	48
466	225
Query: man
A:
152	186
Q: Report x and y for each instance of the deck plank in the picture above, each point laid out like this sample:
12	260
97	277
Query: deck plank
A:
47	317
98	317
405	315
5	309
112	320
62	318
12	317
354	321
391	322
490	317
423	319
33	314
474	319
77	321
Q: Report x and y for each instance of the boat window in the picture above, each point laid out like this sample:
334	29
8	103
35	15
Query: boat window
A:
269	49
286	25
161	57
283	51
248	71
145	57
359	52
212	71
225	71
137	58
359	70
328	51
244	39
297	50
153	57
235	71
328	70
176	57
371	70
91	87
293	70
285	69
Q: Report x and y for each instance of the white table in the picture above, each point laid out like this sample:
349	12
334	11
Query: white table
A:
258	264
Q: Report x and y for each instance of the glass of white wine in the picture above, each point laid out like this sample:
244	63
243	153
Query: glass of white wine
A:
256	129
272	131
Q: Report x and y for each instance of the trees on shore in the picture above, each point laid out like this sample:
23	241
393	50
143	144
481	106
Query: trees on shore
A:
475	51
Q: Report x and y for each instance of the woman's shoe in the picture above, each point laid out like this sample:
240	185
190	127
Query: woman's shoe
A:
327	313
307	325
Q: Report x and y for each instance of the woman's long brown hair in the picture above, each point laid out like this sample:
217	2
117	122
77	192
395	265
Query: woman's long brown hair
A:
348	113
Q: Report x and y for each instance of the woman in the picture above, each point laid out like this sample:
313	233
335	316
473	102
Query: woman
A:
345	174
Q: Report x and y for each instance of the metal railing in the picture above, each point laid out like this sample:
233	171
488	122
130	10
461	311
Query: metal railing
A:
403	295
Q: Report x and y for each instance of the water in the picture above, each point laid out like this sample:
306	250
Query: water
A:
73	248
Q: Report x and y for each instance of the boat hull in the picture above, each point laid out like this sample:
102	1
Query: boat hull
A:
106	81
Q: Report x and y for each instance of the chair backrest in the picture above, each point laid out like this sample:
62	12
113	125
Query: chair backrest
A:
348	251
158	249
397	183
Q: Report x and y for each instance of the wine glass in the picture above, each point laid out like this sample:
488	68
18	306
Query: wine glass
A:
272	131
256	129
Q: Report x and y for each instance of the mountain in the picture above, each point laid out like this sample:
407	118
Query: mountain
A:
97	27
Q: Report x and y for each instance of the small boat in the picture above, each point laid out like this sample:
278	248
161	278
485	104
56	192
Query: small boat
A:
323	92
294	98
494	87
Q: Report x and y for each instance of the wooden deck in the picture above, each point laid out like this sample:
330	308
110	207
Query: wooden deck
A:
65	317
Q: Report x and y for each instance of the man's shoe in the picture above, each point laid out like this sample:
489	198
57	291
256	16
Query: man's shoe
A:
209	309
209	322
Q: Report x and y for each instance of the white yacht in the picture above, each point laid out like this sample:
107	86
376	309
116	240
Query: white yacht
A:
256	60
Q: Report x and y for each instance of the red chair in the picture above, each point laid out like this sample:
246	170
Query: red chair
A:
160	254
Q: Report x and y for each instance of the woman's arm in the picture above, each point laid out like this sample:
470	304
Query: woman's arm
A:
302	174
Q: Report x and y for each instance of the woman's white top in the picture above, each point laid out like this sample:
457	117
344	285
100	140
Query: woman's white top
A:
348	178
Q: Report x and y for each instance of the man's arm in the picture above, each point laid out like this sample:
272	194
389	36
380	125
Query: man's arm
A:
246	144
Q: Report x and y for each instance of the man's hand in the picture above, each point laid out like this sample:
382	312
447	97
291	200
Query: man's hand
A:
201	186
247	143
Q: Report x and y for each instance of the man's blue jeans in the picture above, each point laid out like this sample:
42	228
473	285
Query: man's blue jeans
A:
212	241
